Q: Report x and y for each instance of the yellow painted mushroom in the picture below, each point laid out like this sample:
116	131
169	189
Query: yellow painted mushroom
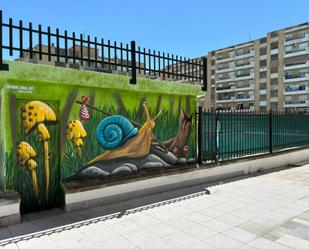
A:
25	155
75	132
36	115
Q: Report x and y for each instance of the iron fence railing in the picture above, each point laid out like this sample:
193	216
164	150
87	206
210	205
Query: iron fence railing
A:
38	45
227	134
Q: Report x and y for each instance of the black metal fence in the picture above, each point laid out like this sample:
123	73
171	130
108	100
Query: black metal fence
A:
226	134
38	45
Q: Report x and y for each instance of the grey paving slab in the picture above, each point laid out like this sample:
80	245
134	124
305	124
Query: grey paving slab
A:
270	211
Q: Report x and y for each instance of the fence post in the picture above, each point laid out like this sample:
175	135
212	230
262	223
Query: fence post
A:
204	87
133	63
200	135
3	67
270	131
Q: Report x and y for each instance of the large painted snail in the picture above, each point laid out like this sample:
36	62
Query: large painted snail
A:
114	131
133	143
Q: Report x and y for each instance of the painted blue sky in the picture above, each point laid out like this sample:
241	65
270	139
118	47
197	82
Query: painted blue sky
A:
185	27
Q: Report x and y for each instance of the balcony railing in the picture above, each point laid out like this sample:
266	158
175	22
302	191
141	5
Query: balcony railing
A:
294	88
243	75
243	97
295	102
224	88
242	53
295	37
296	50
295	76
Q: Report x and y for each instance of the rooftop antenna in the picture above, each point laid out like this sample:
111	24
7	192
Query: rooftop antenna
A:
249	35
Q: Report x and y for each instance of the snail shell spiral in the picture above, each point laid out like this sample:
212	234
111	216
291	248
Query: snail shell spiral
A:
114	131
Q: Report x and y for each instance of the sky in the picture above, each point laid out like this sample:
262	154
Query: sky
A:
188	28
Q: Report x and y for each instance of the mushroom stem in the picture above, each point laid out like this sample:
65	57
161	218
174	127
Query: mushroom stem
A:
46	164
79	152
35	183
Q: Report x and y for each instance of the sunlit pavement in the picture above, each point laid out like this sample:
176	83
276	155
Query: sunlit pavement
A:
266	211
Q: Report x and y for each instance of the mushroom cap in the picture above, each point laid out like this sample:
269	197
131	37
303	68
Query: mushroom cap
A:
75	130
25	152
32	165
35	112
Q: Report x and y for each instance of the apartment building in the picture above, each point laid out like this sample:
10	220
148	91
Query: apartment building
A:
267	73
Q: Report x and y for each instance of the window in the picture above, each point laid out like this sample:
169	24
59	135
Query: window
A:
274	57
263	63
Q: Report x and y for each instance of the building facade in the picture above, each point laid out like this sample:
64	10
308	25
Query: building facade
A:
263	74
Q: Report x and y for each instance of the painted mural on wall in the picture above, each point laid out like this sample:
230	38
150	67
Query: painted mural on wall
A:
104	143
34	170
85	133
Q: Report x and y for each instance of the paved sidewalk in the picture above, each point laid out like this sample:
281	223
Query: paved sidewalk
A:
262	212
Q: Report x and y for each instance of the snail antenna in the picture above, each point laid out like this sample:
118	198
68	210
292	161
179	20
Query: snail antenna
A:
159	113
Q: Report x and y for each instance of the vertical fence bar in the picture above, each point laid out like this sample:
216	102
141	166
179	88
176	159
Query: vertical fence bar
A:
185	68
2	65
270	131
168	65
139	59
144	60
73	36
81	50
121	56
109	54
115	55
217	136
154	62
66	46
88	50
163	56
48	44
95	52
149	61
176	67
102	53
40	42
58	45
133	63
10	35
159	64
20	38
127	57
172	66
200	136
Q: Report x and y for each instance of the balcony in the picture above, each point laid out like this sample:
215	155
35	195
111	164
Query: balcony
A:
244	97
244	87
224	79
296	39
244	54
296	77
244	75
225	99
225	89
225	57
296	65
296	52
296	89
225	68
248	64
296	103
